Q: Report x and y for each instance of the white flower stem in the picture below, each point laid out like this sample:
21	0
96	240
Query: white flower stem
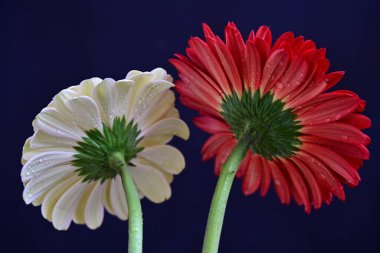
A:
134	207
222	191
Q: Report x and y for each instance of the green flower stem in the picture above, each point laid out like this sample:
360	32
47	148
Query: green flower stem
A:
222	191
134	207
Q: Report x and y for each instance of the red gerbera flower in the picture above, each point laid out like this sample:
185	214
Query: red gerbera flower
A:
307	141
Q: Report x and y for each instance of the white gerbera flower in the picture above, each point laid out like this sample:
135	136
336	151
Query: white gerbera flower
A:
67	162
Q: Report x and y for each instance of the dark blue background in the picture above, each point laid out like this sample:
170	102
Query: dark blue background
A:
49	45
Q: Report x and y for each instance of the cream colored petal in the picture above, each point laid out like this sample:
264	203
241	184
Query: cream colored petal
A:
41	139
161	105
169	177
88	85
155	140
54	194
94	212
80	210
26	150
133	73
147	95
164	157
59	101
104	95
161	74
167	126
40	184
38	201
122	197
53	123
106	196
151	182
85	113
43	162
117	198
124	90
64	209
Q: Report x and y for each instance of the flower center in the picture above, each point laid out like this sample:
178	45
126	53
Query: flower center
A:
96	151
274	130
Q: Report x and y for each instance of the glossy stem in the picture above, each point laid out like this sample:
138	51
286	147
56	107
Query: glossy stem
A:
134	207
222	191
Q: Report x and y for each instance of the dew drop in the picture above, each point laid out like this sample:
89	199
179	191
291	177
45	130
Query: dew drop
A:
344	137
280	86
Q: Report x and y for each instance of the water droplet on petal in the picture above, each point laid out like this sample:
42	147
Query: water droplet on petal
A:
280	86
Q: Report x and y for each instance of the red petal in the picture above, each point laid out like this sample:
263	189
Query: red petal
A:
283	41
357	120
280	183
211	125
265	34
333	161
211	63
298	183
228	65
197	87
273	69
333	78
323	175
236	46
253	66
214	144
197	105
252	177
311	181
345	149
293	77
339	132
265	184
244	165
327	107
223	153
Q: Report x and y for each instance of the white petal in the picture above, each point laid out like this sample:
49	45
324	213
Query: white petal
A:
124	98
140	77
94	212
59	101
85	113
43	162
88	85
25	150
40	184
145	98
161	74
104	95
64	209
106	198
80	210
155	140
54	194
41	139
54	123
151	182
118	200
161	105
164	157
167	126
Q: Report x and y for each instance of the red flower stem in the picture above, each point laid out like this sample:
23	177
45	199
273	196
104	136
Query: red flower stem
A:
134	206
222	191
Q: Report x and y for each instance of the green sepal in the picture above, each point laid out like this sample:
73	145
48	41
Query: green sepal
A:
274	129
95	151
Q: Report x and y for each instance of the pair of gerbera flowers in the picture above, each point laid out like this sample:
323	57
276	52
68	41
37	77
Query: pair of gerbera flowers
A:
103	143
